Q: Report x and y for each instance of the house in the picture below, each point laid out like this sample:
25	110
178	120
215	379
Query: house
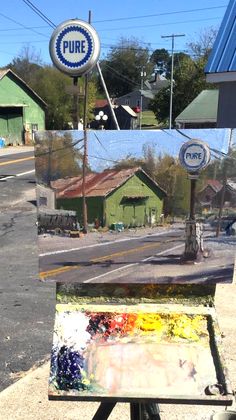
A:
229	195
210	196
201	112
207	194
22	111
221	68
140	98
129	196
133	99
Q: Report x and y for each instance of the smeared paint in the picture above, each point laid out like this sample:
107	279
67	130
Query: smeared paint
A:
83	337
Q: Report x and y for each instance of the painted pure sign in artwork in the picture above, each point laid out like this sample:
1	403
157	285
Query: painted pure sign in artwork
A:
194	155
74	47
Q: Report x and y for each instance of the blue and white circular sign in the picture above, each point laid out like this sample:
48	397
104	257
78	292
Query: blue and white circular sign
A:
74	47
194	155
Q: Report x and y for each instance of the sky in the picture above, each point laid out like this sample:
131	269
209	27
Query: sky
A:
147	21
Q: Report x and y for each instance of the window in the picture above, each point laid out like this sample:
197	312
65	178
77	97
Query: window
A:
43	201
34	127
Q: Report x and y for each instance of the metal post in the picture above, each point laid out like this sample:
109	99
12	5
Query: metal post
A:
173	36
171	82
85	155
108	97
75	100
141	98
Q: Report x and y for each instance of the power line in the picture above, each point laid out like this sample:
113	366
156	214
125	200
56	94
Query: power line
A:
39	13
159	24
18	29
20	24
160	14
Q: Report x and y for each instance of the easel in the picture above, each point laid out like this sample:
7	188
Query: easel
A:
138	411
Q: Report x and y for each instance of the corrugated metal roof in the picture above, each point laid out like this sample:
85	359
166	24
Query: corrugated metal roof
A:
96	185
202	109
223	55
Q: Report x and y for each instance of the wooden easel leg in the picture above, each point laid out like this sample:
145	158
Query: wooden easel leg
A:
104	411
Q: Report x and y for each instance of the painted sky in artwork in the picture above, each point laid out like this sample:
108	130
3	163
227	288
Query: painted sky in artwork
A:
107	147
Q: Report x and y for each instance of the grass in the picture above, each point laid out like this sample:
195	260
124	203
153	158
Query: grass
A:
149	119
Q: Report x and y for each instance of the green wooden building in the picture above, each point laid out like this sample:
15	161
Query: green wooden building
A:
22	111
128	196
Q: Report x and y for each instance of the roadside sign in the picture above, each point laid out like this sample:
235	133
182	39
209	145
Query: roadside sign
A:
74	47
194	155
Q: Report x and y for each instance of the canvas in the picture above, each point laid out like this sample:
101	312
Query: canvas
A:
136	198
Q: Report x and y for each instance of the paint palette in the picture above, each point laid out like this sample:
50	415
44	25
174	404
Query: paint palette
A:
127	352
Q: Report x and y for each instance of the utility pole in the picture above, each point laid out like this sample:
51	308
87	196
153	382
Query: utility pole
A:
173	36
142	74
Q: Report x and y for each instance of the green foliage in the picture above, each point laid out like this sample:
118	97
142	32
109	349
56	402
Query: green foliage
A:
122	68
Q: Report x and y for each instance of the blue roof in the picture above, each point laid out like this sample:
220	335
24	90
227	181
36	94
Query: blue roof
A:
223	55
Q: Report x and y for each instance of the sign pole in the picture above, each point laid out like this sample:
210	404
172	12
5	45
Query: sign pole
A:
74	49
194	155
85	155
76	105
192	198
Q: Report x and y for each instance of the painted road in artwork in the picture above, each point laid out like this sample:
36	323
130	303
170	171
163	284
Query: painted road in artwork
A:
130	352
86	263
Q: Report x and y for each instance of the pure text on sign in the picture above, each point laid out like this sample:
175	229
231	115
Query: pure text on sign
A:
193	156
74	47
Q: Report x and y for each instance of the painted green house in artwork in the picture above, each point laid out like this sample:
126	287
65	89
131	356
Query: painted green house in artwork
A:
22	111
129	196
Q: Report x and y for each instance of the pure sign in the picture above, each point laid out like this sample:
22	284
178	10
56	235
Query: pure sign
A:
194	155
74	47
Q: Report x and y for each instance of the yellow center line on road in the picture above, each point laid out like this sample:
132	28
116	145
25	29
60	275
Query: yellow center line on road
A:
16	160
45	274
119	254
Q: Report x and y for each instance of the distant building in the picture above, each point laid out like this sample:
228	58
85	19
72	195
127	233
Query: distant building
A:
133	99
206	196
221	68
201	112
126	118
22	111
128	196
229	195
211	195
141	97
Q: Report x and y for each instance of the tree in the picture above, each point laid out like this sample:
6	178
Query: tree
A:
58	156
162	59
189	78
122	68
27	65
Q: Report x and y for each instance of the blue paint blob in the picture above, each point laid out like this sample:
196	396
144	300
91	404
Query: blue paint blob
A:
69	365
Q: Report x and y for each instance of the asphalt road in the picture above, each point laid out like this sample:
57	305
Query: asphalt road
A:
18	164
26	305
94	264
